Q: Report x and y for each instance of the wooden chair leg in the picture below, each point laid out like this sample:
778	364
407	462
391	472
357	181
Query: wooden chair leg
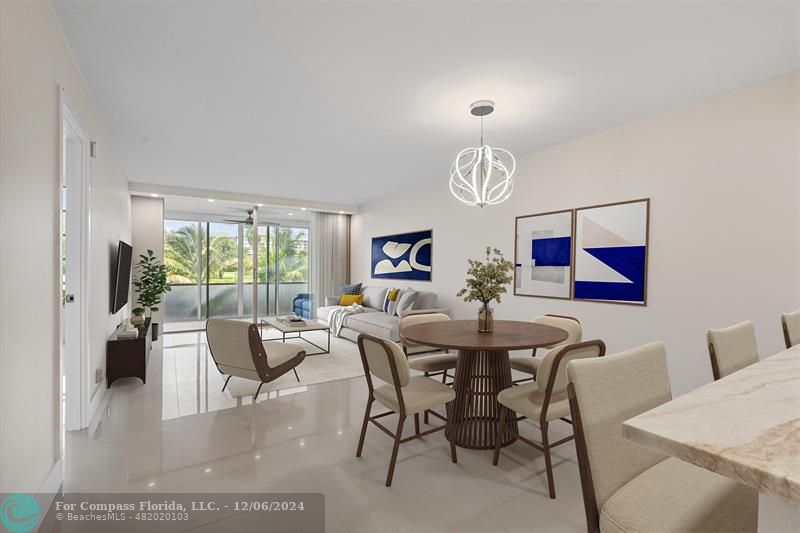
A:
416	423
499	437
364	428
425	414
548	463
397	437
448	409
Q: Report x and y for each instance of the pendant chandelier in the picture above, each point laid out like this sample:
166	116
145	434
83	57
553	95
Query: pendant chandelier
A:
481	176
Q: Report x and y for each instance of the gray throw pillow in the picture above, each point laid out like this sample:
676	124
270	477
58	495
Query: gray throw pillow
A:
406	301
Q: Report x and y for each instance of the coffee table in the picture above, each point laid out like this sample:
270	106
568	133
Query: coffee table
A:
300	328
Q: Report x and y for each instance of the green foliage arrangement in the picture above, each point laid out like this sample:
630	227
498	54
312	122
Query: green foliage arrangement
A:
487	280
151	284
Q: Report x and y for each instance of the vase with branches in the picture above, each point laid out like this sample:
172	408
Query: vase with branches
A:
486	282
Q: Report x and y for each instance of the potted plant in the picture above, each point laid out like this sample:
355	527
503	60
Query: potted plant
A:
138	316
151	284
486	282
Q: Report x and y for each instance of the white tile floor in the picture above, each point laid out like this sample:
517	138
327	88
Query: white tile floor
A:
305	442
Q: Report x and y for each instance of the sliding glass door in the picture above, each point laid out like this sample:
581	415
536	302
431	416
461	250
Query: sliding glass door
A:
210	271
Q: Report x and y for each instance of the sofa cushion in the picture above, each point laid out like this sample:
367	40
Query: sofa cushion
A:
376	324
323	313
373	297
406	301
351	289
425	300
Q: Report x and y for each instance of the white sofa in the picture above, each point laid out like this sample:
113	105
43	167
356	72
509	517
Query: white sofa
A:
374	321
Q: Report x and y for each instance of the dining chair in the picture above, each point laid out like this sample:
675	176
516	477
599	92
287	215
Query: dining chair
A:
791	328
629	487
400	393
529	365
545	400
237	350
732	348
429	365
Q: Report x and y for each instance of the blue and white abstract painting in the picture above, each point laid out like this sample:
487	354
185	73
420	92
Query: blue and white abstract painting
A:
544	255
403	256
611	252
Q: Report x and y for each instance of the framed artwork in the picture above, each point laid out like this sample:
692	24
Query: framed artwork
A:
610	252
543	255
403	256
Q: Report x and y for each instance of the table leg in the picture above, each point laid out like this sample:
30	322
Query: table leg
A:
480	376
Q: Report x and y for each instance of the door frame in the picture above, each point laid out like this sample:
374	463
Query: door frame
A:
75	368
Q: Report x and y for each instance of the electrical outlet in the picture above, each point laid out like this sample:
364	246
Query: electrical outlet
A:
98	375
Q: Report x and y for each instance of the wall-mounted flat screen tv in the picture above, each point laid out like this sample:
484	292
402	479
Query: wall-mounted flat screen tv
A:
121	277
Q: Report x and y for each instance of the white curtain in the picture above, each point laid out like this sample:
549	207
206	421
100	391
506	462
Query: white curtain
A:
329	255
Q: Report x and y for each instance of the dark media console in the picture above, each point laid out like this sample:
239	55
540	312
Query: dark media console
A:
128	357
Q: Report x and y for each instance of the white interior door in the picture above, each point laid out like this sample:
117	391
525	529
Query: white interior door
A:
74	287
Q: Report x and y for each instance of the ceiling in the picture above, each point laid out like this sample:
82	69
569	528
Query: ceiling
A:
188	208
349	101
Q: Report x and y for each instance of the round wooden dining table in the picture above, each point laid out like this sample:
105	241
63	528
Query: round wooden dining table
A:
482	370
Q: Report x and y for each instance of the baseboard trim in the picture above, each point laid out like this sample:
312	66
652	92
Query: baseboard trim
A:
50	487
99	399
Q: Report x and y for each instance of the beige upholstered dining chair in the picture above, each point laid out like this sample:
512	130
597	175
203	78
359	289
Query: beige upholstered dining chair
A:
430	365
627	486
399	392
237	350
732	348
545	400
529	365
791	328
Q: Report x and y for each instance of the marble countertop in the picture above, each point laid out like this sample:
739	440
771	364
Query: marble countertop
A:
745	426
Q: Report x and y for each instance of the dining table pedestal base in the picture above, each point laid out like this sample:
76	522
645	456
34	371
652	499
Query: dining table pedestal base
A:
480	376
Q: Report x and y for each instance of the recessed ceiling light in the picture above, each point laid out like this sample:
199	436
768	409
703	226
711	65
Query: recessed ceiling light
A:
291	214
341	212
302	209
260	205
210	199
258	457
207	470
151	484
153	195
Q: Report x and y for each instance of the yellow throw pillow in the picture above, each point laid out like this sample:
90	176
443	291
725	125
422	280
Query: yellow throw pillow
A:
350	299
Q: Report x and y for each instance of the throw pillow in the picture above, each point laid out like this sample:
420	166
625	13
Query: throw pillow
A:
350	299
406	302
351	289
390	302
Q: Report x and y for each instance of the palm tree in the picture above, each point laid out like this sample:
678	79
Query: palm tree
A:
181	253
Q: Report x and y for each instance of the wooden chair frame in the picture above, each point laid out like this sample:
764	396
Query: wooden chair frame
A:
545	446
533	352
714	363
265	372
587	483
398	434
787	339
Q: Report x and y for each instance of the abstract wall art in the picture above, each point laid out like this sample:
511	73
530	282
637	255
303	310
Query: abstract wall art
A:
543	255
611	243
403	256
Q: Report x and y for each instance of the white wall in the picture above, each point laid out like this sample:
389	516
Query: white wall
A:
34	60
724	178
147	227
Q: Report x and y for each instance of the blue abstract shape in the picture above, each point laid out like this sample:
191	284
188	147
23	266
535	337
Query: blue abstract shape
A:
423	255
627	260
552	251
609	290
